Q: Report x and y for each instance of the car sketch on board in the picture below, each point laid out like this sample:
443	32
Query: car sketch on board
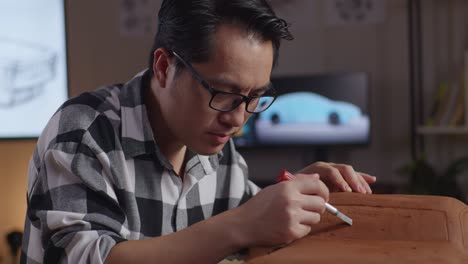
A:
25	68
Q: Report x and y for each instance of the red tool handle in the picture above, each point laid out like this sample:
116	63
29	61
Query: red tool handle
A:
284	175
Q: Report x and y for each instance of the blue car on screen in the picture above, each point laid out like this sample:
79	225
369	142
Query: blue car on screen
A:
307	107
306	117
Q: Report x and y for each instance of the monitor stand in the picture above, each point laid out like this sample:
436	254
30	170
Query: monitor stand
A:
316	154
321	154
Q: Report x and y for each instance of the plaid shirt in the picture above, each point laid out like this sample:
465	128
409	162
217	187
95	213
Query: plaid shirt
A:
97	177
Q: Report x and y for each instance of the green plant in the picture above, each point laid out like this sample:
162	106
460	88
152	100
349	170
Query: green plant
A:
424	179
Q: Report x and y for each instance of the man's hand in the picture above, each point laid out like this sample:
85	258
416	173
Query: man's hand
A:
283	212
341	177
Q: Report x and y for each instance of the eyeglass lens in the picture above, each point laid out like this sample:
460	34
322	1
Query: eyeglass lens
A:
228	102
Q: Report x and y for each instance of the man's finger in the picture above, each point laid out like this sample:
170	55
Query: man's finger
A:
311	185
309	218
351	177
368	178
365	184
334	176
313	203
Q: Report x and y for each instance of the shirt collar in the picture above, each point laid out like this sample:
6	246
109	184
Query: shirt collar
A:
200	165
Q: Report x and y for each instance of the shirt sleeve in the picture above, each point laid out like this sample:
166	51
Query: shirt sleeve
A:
252	188
73	213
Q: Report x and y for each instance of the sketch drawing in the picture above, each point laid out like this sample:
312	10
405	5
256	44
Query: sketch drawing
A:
353	10
25	68
341	12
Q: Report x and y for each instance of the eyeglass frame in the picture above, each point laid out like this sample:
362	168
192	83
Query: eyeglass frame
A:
214	92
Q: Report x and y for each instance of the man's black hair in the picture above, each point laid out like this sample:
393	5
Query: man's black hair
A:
188	26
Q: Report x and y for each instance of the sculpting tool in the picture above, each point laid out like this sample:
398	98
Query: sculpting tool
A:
286	176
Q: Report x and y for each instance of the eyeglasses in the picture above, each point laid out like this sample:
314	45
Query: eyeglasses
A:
226	101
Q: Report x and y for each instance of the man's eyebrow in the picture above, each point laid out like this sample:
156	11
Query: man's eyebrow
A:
236	87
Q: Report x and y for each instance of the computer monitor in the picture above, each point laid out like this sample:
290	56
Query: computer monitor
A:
330	109
33	65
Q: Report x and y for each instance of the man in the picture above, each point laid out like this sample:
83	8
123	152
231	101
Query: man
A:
146	171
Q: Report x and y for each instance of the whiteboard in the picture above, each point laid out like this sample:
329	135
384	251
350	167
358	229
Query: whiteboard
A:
33	65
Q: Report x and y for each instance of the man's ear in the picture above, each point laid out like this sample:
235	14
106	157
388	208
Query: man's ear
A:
161	64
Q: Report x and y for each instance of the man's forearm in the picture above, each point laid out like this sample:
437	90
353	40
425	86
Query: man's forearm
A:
208	241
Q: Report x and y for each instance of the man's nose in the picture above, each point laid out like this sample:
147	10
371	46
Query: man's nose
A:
236	117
